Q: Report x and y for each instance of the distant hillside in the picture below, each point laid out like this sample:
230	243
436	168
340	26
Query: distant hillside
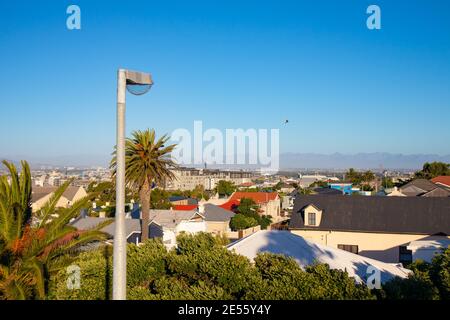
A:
358	161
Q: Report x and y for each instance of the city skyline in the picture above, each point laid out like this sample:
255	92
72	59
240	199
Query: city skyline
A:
344	88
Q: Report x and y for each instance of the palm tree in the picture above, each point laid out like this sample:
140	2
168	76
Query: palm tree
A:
34	246
147	162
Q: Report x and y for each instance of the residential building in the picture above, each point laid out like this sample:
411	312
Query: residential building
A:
306	252
217	219
164	224
424	188
442	180
268	202
189	178
40	196
375	227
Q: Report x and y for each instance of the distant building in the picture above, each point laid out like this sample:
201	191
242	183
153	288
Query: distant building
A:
189	178
375	227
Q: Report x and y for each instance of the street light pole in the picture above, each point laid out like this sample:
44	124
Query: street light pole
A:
120	241
137	83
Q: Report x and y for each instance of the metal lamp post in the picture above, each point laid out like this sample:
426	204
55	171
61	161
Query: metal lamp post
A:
125	80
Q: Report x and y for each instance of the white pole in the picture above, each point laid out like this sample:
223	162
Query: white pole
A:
120	242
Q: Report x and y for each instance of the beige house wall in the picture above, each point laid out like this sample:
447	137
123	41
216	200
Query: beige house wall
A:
63	202
217	227
272	208
380	246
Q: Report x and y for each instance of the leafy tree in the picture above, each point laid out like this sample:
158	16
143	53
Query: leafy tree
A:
33	246
201	268
387	182
199	193
433	169
225	188
159	199
147	161
429	281
240	222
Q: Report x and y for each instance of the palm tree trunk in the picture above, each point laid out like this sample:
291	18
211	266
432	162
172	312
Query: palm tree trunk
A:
144	196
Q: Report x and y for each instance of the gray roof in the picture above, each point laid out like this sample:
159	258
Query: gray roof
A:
131	225
171	218
417	187
216	213
416	215
166	218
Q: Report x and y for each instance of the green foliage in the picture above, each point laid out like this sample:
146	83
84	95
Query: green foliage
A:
429	281
240	222
147	161
359	178
202	269
387	182
225	188
32	247
433	169
159	199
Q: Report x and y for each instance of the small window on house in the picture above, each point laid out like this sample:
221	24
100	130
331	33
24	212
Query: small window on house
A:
349	247
404	255
311	219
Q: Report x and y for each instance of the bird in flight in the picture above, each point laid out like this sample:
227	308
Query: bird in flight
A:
286	121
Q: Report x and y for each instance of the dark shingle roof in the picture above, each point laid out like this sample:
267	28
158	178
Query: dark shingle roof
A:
417	215
417	187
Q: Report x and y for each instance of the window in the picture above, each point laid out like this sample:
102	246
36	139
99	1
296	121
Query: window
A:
311	218
404	255
349	247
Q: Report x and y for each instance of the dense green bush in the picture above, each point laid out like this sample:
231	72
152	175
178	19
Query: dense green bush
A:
240	222
201	268
429	281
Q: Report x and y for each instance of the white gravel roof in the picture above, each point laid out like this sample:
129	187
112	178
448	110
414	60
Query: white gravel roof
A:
306	252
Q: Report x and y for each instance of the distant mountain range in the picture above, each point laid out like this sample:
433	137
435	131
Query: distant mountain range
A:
376	160
293	161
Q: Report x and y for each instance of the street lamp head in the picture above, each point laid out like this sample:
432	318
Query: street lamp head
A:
138	83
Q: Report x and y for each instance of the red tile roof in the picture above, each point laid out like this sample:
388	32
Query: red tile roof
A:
184	207
445	180
258	197
230	205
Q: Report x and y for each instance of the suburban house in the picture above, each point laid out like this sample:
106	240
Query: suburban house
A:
442	180
217	219
424	188
269	202
181	200
40	196
165	224
376	227
306	252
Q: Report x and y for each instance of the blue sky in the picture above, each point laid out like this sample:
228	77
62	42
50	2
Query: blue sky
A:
231	64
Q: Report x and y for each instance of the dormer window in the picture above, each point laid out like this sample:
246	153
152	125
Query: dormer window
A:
311	218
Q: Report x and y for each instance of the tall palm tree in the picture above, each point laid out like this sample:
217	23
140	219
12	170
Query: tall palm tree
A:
147	162
34	245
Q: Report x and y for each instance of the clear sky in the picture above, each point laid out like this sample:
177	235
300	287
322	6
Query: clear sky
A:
231	64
